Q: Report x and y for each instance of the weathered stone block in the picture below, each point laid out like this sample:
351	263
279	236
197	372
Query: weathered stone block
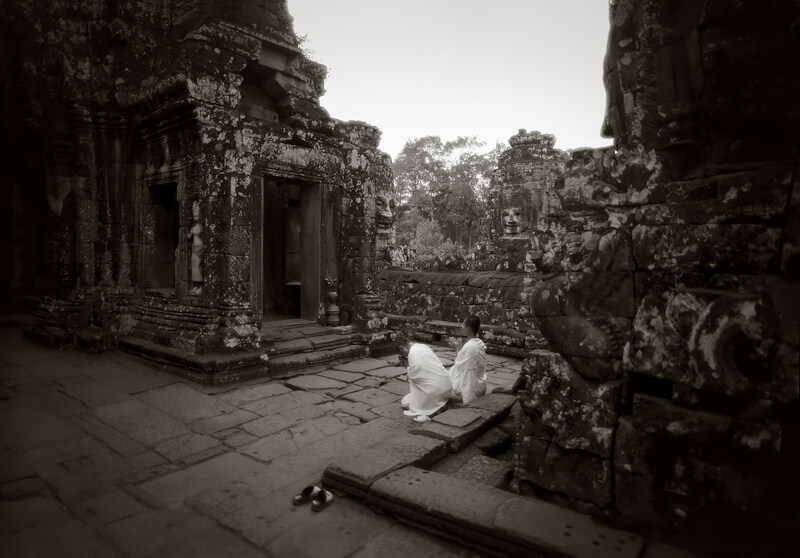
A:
577	474
592	337
580	414
585	294
734	248
714	341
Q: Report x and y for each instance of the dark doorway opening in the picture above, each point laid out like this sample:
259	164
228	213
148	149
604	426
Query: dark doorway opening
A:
161	265
290	250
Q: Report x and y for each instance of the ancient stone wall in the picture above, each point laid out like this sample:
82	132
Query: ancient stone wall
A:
670	387
158	124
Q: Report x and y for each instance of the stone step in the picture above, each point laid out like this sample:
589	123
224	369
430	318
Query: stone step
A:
297	361
310	344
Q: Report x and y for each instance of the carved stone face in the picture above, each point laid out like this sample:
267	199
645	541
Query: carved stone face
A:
384	214
512	221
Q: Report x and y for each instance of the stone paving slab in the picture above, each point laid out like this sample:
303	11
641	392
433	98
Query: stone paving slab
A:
267	425
94	394
256	508
12	467
269	447
314	383
114	439
308	411
223	422
387	372
180	485
397	387
356	473
337	532
342	376
180	448
458	437
129	375
176	532
369	382
185	403
362	365
40	526
51	397
22	488
249	394
107	508
459	418
140	421
284	401
498	403
31	427
494	519
373	397
400	541
338	393
393	411
355	408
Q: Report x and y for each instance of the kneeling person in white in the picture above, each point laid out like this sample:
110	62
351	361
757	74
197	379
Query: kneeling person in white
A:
428	380
468	373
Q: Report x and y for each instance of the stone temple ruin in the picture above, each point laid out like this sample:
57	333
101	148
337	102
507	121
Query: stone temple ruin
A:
652	286
177	185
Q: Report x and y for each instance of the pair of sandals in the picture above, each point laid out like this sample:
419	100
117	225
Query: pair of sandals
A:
319	497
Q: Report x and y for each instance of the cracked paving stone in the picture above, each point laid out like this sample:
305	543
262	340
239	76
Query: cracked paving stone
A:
314	383
372	396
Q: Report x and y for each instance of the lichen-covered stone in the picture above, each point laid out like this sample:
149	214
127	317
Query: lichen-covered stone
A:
578	413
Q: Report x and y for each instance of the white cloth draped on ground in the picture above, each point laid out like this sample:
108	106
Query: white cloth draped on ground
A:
468	373
429	383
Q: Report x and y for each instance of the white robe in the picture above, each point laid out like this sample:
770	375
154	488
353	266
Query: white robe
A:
468	373
429	382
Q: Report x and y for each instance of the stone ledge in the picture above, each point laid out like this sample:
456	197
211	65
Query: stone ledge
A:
356	474
459	427
495	521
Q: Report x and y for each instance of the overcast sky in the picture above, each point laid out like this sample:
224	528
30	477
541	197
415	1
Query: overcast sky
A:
462	67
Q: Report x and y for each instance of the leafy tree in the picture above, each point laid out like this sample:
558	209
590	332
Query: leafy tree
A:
446	182
406	225
429	242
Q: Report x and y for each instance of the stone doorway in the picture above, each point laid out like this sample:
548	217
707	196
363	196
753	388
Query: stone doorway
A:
160	263
291	250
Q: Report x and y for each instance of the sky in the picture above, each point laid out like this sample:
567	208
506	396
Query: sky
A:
453	68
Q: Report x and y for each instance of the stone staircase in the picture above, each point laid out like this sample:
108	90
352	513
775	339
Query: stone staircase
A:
297	345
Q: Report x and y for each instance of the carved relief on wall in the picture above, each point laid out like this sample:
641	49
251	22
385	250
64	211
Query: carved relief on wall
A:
384	213
195	237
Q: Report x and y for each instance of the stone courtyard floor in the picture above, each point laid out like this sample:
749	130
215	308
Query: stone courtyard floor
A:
106	455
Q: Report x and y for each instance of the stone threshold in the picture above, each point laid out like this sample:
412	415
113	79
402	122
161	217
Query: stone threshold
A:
392	477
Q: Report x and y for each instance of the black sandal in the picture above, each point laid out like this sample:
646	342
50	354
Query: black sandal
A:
322	500
308	493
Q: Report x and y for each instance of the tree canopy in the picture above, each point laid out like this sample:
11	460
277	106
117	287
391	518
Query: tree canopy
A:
446	183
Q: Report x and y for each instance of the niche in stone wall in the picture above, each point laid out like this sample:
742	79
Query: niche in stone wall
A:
161	246
258	93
